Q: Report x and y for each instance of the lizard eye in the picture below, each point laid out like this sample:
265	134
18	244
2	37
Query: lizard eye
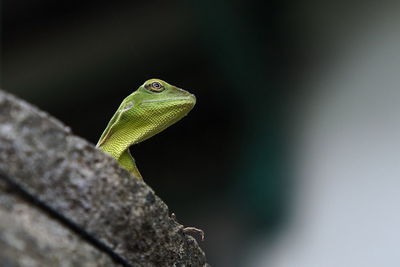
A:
155	87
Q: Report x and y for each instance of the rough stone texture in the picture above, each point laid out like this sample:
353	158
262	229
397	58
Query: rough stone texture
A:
30	238
89	187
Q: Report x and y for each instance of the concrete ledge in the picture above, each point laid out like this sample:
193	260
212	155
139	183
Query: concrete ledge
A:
88	187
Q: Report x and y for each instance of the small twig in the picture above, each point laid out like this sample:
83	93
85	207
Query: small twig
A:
194	230
189	229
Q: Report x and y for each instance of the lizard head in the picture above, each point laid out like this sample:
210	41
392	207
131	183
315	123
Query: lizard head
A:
157	98
160	94
156	105
150	109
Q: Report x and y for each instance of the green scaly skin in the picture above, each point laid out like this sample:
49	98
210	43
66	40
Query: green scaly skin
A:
150	109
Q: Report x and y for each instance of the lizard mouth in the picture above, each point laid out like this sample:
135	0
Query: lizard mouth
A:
191	97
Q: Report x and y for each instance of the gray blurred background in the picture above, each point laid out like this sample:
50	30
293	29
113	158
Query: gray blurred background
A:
290	157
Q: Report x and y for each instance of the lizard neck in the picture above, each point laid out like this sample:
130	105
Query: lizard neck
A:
118	141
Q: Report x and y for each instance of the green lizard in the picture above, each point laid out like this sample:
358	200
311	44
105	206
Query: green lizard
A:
153	107
150	109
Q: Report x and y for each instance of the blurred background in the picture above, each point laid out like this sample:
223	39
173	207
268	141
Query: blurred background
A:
291	155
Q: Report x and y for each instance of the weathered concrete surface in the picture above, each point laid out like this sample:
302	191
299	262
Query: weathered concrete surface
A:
30	238
88	187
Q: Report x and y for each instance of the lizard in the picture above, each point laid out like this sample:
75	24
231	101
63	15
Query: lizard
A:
152	108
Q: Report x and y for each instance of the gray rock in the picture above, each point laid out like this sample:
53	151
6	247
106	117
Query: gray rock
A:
28	237
88	187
